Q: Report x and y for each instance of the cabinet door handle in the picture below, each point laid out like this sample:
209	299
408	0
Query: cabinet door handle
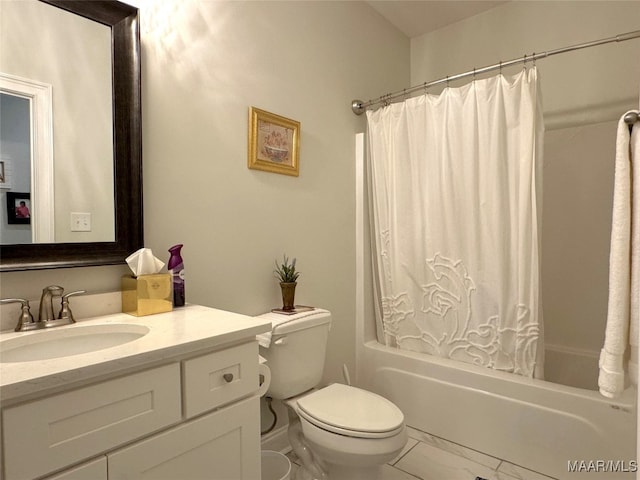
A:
228	377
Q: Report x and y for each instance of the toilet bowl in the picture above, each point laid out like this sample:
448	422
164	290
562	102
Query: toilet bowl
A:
339	432
348	428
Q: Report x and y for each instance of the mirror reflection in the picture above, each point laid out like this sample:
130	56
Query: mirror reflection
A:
64	176
15	176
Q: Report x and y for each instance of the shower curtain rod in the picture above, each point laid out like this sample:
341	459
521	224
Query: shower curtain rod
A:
358	106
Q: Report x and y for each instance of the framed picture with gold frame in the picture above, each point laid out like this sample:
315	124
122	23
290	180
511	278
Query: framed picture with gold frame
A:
274	143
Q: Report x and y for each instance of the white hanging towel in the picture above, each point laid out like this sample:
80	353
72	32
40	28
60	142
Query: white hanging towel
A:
624	269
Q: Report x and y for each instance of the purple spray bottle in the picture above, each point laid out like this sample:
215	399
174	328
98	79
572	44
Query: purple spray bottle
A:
176	268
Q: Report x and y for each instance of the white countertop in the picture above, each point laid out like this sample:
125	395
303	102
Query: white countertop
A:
172	334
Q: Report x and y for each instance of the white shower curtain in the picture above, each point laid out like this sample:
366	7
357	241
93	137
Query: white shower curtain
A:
455	190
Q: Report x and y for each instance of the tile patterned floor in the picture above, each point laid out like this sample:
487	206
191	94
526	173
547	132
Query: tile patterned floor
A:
426	457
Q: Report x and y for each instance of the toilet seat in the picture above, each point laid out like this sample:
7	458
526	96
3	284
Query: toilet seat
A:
352	412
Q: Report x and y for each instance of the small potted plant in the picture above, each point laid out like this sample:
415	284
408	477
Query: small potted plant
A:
286	273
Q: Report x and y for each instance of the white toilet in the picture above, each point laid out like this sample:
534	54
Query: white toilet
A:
339	432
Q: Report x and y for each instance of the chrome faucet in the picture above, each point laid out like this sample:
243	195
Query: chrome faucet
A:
46	315
46	302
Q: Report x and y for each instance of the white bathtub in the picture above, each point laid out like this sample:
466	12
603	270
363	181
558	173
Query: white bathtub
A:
536	424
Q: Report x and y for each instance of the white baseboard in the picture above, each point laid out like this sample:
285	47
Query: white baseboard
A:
276	440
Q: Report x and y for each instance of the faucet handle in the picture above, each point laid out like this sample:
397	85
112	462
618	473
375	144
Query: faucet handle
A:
65	311
77	292
25	322
14	300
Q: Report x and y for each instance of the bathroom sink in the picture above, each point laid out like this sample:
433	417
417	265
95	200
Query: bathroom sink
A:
65	342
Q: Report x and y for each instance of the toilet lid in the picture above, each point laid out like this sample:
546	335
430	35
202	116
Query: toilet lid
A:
351	411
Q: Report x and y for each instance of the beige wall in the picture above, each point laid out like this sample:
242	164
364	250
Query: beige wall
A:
202	72
204	64
586	86
584	92
578	200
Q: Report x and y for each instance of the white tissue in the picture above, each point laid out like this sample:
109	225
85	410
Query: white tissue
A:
143	262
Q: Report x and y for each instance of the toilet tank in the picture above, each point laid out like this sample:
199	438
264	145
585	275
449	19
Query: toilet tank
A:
297	351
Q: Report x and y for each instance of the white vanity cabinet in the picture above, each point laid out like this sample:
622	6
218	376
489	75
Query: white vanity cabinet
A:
221	445
194	415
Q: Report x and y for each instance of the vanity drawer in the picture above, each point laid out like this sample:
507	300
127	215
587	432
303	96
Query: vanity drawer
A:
220	377
48	434
224	444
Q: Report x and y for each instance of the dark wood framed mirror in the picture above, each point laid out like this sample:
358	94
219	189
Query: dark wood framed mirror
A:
127	151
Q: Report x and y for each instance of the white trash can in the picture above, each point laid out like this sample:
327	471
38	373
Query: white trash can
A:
275	466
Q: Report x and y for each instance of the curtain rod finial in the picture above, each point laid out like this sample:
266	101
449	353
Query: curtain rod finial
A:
357	107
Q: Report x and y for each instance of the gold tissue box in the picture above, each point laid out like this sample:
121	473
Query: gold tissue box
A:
147	294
